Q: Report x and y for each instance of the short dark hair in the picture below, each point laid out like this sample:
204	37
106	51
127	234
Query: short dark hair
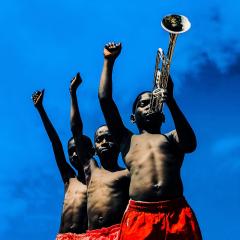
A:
85	138
137	99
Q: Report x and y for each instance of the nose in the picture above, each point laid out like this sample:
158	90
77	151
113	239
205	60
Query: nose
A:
74	154
147	107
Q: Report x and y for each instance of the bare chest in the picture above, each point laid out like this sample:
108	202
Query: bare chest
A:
147	145
75	192
104	181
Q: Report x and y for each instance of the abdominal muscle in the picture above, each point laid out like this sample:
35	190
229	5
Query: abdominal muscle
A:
154	169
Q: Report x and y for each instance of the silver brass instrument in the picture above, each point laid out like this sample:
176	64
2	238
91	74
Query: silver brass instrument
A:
174	24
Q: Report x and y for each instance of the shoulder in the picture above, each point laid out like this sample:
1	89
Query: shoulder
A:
124	174
174	141
67	183
91	166
93	163
172	136
125	142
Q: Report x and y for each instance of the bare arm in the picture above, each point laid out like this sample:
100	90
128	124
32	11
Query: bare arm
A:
185	137
76	121
108	106
83	143
65	169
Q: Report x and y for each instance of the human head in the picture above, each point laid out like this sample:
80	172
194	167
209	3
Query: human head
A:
72	151
140	109
105	147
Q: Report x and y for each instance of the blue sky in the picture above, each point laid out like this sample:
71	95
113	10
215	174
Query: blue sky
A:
43	45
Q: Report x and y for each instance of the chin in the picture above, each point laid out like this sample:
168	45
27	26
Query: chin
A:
105	152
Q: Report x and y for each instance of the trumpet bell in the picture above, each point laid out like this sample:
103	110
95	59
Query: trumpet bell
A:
175	24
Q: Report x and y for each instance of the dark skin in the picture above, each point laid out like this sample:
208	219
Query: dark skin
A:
107	184
153	159
74	213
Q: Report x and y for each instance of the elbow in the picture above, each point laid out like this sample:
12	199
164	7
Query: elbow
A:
191	146
103	96
75	129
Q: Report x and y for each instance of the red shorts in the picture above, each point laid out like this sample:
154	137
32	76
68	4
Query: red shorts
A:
109	233
164	220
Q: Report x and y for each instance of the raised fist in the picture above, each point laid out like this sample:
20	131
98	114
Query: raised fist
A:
112	50
76	81
37	97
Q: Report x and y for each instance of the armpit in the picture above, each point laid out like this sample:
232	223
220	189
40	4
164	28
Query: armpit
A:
172	136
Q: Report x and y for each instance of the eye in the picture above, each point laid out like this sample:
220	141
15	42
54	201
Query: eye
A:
71	151
143	103
99	139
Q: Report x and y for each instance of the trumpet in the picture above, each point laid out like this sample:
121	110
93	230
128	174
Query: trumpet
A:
174	24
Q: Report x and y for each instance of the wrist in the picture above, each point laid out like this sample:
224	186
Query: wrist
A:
109	61
39	106
73	92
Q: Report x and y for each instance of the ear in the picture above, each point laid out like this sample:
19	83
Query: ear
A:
133	118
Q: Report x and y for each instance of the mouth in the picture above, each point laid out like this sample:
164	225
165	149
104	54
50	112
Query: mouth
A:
148	116
151	115
74	160
104	149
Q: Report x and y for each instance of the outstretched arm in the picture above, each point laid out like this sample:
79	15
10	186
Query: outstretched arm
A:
83	144
65	169
108	106
185	137
76	121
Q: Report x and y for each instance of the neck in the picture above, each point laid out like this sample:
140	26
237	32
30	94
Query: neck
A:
152	130
109	162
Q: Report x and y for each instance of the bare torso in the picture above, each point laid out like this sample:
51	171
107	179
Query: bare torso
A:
74	214
154	163
108	195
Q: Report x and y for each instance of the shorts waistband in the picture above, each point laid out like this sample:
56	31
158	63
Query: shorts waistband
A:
157	206
104	229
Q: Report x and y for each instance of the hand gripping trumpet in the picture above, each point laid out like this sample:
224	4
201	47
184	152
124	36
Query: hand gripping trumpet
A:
174	24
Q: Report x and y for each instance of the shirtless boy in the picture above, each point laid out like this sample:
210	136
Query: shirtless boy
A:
74	213
108	184
157	209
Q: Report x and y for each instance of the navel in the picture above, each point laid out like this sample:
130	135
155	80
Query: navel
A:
157	187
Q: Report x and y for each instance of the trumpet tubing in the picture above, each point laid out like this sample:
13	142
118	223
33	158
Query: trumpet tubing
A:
174	24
